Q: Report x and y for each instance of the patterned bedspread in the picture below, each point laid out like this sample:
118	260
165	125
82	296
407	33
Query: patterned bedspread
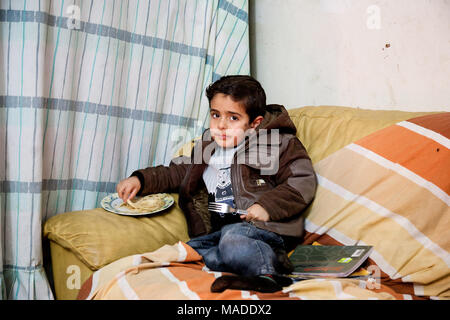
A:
177	272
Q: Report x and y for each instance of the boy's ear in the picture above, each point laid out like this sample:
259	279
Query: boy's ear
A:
255	123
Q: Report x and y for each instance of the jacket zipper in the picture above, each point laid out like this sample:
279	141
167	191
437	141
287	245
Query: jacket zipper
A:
235	185
234	181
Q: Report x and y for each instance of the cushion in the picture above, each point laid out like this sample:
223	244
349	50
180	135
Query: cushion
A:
326	129
98	237
391	190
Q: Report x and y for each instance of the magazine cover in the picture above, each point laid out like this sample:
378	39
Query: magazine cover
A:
312	261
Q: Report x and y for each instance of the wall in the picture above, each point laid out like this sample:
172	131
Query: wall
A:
386	54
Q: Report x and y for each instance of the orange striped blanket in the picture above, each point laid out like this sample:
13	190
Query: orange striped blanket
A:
391	190
176	272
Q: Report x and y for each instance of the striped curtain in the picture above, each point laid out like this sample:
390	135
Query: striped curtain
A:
91	90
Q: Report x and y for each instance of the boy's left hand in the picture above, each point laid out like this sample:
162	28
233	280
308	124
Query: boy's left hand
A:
256	212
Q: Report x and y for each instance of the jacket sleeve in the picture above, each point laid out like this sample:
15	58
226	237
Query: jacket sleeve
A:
162	178
295	182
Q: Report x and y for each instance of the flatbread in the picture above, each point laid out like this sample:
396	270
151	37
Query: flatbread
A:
148	203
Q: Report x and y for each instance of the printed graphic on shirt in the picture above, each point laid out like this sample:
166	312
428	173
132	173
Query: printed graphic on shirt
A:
224	191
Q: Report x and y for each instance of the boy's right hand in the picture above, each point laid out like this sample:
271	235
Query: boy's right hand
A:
127	188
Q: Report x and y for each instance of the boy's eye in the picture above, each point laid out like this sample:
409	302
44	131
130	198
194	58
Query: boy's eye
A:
234	118
215	115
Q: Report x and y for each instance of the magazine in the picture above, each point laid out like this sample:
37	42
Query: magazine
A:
316	261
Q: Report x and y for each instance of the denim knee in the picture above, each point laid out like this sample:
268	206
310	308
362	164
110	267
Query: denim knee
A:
236	228
246	256
231	248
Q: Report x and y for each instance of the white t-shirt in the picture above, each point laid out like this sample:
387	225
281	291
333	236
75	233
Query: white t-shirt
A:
217	176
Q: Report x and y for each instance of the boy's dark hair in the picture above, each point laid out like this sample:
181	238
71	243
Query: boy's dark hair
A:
243	89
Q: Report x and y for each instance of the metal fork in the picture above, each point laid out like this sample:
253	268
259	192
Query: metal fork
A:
224	208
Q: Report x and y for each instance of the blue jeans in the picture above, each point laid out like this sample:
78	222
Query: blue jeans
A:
240	248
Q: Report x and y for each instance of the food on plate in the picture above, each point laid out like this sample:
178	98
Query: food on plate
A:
148	203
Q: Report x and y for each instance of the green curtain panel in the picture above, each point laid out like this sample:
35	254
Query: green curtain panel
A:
91	90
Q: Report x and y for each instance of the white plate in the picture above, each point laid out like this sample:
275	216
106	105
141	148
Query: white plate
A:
112	203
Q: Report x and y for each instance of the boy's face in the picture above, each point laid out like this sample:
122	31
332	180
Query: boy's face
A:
229	121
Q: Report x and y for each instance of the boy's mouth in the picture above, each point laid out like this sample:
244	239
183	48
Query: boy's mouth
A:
224	135
221	136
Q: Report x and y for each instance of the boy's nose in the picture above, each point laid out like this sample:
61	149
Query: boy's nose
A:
222	123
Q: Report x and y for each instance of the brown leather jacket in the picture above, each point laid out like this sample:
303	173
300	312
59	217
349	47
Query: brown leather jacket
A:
273	169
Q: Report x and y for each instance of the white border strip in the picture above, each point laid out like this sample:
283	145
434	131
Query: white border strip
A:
426	133
94	285
339	291
216	274
419	290
181	284
375	207
246	295
129	293
137	259
435	190
182	253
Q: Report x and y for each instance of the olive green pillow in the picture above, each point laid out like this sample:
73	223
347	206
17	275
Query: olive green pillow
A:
98	237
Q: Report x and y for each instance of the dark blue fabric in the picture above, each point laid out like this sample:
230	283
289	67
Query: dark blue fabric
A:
240	248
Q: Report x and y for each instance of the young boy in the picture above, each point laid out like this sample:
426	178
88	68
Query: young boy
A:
250	159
